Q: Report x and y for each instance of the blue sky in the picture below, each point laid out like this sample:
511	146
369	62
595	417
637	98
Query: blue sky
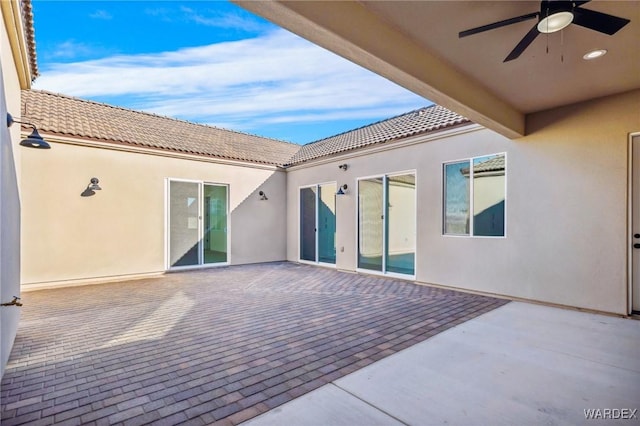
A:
207	62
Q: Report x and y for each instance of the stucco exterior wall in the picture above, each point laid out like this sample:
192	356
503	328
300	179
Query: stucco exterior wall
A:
566	207
120	231
9	198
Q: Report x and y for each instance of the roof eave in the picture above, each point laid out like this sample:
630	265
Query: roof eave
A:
459	128
18	21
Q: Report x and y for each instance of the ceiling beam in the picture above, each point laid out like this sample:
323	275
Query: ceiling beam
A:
348	29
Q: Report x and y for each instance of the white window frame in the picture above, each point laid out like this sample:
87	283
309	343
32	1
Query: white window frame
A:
471	197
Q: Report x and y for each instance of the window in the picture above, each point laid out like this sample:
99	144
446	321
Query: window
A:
475	185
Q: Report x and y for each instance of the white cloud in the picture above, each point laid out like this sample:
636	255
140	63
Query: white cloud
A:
223	20
101	14
274	78
69	49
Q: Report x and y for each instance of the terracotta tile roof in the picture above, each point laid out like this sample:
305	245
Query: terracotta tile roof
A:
493	164
68	116
30	37
413	123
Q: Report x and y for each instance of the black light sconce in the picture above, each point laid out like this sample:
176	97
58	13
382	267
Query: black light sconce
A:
14	302
94	185
263	196
342	190
34	140
343	167
91	188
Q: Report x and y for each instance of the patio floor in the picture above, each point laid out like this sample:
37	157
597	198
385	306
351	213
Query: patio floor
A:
520	364
219	345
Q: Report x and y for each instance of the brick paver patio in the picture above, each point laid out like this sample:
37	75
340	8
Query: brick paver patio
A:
217	345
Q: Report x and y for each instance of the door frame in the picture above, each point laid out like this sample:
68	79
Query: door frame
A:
167	229
316	262
384	271
630	290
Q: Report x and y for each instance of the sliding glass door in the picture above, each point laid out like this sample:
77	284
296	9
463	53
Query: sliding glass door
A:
387	224
197	228
318	223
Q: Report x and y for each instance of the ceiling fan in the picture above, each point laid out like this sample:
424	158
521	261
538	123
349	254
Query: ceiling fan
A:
554	15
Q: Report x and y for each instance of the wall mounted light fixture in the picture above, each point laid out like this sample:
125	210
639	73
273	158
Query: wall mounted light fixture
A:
91	188
342	190
343	167
263	196
14	302
94	184
34	140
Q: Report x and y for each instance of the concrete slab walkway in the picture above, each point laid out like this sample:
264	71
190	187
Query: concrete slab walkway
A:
211	346
520	364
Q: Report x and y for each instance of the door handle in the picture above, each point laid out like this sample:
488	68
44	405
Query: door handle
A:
636	245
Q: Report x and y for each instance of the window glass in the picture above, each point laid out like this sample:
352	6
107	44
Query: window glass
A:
488	195
401	224
456	198
327	223
308	224
318	223
215	223
370	224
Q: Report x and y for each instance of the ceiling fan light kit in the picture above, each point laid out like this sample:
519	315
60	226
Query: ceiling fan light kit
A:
555	15
555	22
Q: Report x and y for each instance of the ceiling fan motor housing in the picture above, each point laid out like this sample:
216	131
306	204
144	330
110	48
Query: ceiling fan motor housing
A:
551	7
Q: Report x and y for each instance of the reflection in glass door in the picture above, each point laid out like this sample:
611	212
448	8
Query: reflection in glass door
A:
308	224
184	232
327	223
215	224
401	224
318	223
197	214
370	224
387	224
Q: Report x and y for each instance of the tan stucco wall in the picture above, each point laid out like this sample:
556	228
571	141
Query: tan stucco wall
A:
566	207
9	198
120	231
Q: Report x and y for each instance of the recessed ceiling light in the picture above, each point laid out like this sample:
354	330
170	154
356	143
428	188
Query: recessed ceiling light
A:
594	54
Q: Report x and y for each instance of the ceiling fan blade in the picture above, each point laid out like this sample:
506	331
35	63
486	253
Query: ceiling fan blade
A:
498	24
580	3
524	43
598	21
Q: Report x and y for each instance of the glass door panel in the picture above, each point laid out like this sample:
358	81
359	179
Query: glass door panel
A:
370	224
215	224
401	224
308	224
184	223
327	223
